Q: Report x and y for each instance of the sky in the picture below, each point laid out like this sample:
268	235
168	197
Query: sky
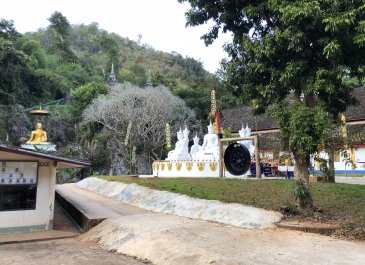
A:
160	22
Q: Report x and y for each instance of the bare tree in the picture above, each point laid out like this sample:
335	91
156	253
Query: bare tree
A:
148	110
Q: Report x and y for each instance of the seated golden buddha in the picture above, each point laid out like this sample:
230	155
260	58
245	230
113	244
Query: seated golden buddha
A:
39	136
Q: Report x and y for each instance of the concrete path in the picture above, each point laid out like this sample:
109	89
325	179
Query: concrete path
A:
62	252
35	236
351	180
169	239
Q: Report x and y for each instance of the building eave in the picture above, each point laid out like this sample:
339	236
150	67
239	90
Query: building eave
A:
61	162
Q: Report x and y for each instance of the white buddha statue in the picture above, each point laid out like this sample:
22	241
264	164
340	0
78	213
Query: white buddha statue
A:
186	134
181	151
195	148
246	132
210	146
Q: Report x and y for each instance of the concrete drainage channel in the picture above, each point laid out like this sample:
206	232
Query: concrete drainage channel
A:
83	220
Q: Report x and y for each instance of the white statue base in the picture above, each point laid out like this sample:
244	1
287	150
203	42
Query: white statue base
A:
40	147
204	156
180	157
190	169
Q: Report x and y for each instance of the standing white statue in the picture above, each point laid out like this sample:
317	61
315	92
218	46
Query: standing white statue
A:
195	148
181	151
246	132
210	146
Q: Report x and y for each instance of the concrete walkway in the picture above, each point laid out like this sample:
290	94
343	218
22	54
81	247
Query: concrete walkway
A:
351	180
92	209
67	251
35	236
169	239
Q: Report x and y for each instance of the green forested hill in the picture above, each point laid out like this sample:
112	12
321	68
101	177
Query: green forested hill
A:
46	64
97	50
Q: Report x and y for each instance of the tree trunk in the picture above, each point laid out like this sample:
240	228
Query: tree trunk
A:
301	179
331	165
301	168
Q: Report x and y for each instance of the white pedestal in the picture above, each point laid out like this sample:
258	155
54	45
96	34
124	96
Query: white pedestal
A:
189	169
40	147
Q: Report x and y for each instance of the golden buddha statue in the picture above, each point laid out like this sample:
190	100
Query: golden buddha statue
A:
39	136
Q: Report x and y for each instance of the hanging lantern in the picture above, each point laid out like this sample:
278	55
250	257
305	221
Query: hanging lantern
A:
128	133
168	136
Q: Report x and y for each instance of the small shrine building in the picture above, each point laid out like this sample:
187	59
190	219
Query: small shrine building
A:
27	188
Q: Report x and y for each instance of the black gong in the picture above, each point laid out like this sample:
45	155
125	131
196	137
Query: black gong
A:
237	159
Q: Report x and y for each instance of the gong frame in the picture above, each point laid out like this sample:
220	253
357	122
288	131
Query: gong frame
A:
224	141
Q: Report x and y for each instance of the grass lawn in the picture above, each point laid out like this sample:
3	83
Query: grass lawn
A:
339	203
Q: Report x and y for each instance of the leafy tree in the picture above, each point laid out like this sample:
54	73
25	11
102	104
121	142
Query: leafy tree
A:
61	27
74	75
135	74
83	95
111	48
13	64
7	30
32	48
306	49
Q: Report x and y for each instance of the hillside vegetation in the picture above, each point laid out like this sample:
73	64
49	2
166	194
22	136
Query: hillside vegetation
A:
65	67
44	65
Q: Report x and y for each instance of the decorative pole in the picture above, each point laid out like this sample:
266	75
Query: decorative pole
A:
128	133
168	136
134	158
344	137
213	111
213	103
218	124
344	130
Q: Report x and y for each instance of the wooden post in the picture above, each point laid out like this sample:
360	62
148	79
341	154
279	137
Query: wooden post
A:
257	157
221	166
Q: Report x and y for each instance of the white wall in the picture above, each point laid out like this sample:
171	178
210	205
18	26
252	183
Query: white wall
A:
360	154
42	216
359	158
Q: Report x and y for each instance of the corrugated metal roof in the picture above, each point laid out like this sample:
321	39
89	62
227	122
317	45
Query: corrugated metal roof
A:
234	118
63	162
